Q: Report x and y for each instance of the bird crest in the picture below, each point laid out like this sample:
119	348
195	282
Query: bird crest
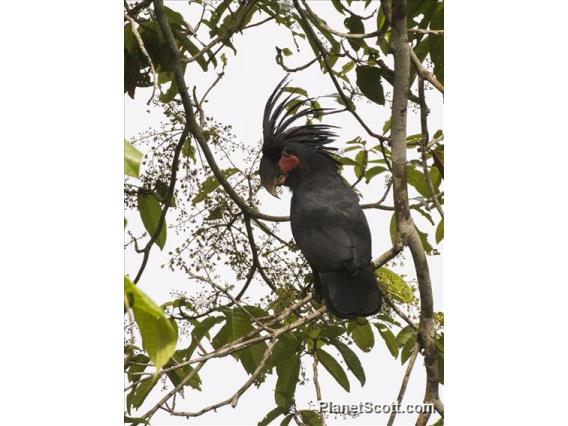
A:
278	119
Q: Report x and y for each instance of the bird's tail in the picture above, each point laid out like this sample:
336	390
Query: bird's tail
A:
348	296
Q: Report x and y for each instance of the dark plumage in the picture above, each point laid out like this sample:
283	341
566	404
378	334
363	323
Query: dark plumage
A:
327	222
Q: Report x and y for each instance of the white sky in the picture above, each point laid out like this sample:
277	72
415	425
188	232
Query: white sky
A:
239	100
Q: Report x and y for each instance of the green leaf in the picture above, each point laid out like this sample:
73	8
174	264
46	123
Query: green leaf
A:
159	334
333	367
287	52
436	43
211	184
188	150
288	371
179	374
351	359
137	367
440	231
296	90
435	177
374	171
426	244
332	331
389	339
407	349
272	415
237	325
201	330
369	81
362	334
150	212
424	213
394	285
355	26
417	180
405	335
135	420
286	420
215	214
171	93
286	346
132	159
346	161
338	6
386	126
142	390
310	417
392	229
347	67
361	160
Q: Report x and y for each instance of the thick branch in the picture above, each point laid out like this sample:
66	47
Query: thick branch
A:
405	225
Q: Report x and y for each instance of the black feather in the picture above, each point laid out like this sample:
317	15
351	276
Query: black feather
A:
278	119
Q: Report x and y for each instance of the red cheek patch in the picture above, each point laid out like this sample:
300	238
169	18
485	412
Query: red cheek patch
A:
288	162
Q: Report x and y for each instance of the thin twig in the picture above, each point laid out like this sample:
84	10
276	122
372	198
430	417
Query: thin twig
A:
421	31
424	143
234	399
425	73
229	295
388	255
404	382
242	342
324	56
316	382
240	14
280	61
134	28
173	392
399	312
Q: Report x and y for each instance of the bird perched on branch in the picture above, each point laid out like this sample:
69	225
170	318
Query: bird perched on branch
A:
327	222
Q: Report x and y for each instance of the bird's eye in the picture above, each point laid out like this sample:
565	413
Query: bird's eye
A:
288	151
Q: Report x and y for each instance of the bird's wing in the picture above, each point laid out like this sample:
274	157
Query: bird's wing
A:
334	237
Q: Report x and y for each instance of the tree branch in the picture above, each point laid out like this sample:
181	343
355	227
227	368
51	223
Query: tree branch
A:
404	382
173	392
423	71
405	225
242	342
280	61
166	205
194	128
424	144
134	27
324	55
241	12
234	399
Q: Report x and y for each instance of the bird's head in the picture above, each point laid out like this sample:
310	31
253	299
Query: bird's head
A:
284	147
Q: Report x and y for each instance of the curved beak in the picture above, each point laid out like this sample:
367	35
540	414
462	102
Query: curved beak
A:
269	172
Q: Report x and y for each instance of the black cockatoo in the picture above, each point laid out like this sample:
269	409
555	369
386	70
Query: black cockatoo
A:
327	222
